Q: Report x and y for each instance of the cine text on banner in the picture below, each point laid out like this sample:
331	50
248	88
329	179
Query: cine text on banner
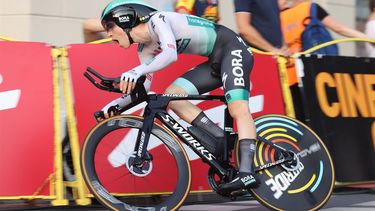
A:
340	102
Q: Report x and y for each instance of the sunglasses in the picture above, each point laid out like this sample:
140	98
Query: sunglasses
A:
108	25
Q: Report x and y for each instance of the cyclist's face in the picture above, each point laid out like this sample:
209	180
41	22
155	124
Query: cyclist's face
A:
118	36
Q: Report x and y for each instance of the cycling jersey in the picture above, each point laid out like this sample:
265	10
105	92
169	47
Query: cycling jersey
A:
229	56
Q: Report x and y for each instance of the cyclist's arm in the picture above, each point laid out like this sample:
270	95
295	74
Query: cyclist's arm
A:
144	57
168	47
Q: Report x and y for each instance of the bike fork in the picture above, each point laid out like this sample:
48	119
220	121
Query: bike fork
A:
143	138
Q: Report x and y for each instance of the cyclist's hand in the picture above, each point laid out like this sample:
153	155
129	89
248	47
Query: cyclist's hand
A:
113	108
99	116
108	111
128	81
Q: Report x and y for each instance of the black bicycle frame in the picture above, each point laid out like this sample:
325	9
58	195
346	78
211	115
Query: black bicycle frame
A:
156	108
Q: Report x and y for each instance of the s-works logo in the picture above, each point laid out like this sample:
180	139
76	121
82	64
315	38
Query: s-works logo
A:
9	99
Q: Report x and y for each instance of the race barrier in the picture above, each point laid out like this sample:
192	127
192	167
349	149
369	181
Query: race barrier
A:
340	107
29	126
338	99
37	81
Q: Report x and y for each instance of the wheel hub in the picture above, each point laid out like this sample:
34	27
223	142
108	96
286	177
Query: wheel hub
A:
140	169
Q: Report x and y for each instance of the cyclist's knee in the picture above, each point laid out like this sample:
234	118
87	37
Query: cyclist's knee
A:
239	108
174	89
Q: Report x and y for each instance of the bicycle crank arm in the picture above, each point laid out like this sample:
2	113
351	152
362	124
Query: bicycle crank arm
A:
270	165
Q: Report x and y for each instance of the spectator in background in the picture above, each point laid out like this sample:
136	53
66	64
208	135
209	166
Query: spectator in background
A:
293	20
93	29
207	9
258	23
162	5
370	29
294	14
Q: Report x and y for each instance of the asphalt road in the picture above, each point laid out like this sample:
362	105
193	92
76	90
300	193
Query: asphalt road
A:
343	201
348	200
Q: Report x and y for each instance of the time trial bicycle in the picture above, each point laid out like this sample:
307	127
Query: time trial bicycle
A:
124	157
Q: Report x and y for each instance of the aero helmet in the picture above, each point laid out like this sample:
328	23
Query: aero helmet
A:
126	14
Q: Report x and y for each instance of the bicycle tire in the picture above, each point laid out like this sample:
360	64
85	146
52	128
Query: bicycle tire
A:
105	155
307	188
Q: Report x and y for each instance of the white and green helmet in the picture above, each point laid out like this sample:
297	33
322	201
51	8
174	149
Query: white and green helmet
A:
126	13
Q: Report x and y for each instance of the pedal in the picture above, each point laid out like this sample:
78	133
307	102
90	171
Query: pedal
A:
241	192
234	194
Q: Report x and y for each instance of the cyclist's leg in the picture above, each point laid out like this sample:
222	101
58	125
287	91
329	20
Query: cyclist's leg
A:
199	80
236	66
239	110
183	108
196	81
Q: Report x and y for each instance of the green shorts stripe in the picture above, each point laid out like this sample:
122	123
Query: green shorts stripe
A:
236	94
186	85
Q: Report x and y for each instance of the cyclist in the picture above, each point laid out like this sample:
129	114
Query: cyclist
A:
161	37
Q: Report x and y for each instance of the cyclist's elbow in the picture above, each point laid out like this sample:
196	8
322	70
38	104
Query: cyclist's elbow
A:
172	56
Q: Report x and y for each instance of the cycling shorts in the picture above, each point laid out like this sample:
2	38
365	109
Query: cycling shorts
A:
228	66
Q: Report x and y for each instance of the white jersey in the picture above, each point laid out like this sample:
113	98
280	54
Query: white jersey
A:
229	58
174	33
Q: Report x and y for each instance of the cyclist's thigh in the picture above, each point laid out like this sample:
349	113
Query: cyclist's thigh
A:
235	72
198	80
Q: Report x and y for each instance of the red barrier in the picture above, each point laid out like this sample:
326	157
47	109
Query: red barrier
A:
26	119
111	60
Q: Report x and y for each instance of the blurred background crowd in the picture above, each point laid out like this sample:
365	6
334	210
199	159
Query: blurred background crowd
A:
263	24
